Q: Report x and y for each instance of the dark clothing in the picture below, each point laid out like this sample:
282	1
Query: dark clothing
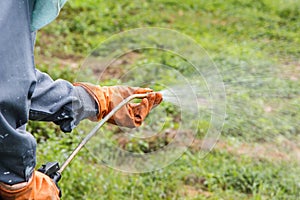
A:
26	93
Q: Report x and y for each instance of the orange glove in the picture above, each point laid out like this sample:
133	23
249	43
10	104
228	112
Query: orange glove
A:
40	187
131	115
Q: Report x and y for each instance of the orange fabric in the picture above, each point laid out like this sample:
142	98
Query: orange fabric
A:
131	115
41	187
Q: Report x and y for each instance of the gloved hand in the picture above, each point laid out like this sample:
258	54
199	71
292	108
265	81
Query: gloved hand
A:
40	187
131	115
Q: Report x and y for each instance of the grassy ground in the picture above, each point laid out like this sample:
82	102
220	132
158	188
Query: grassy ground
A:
255	45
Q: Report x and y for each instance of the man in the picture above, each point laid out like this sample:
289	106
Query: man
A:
27	94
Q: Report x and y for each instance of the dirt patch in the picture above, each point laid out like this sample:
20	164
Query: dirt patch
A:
109	70
290	71
284	150
281	149
194	186
70	61
192	192
157	141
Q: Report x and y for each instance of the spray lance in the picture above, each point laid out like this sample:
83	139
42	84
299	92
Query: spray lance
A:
53	170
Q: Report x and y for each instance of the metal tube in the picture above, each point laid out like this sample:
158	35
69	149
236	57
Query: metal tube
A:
97	127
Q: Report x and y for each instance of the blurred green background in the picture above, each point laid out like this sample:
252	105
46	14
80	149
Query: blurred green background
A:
256	46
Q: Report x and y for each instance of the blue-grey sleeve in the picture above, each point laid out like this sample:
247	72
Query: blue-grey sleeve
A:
60	102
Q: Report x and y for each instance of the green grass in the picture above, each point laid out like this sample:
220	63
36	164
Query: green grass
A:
219	175
262	27
255	45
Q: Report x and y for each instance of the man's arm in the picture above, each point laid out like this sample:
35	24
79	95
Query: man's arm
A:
60	102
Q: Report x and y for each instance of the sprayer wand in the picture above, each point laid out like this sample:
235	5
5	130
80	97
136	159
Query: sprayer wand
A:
53	170
97	127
